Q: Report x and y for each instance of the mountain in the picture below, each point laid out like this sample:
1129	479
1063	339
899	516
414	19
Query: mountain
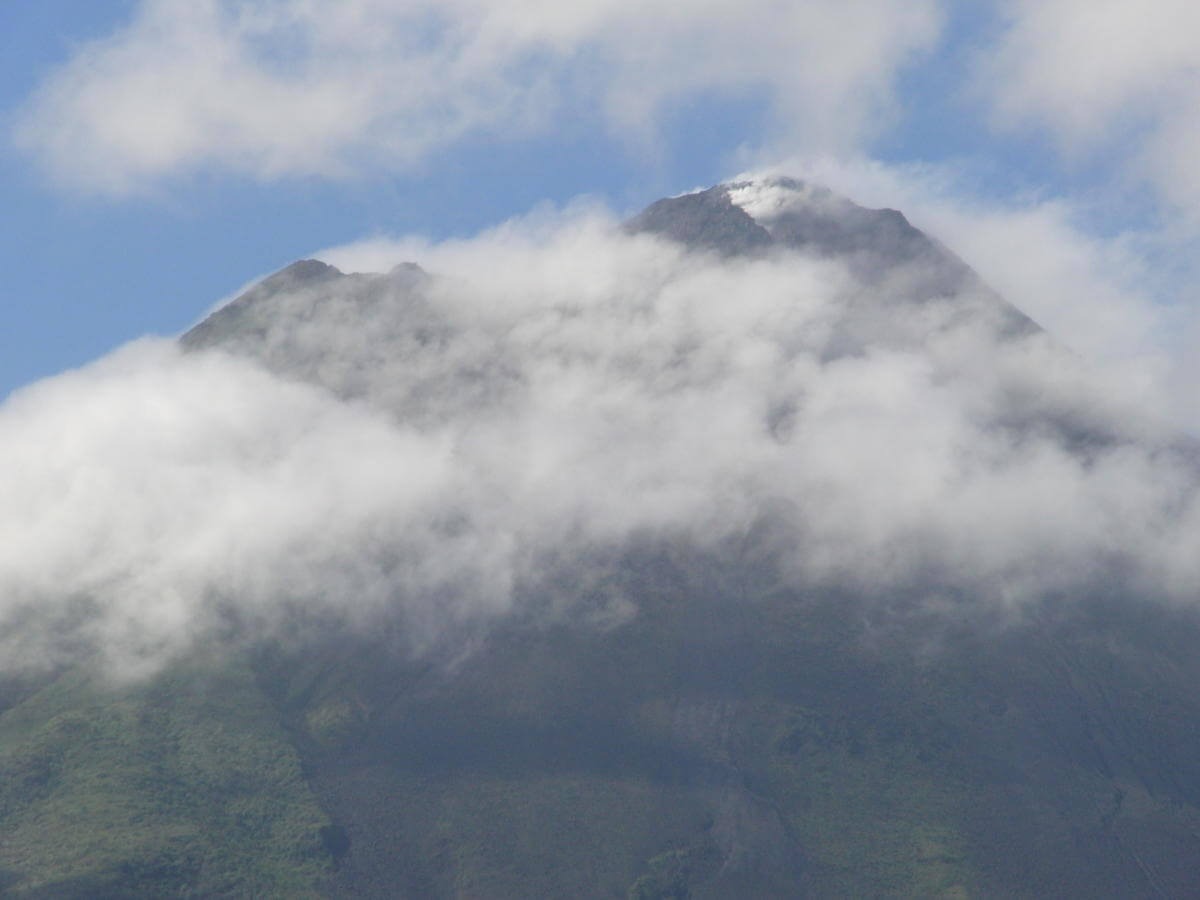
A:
786	215
793	685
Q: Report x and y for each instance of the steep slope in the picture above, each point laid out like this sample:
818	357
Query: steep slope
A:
676	709
804	751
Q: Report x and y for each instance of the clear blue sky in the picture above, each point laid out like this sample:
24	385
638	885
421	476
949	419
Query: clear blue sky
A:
102	243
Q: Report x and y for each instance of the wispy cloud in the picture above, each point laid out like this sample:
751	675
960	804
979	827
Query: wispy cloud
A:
338	87
1105	296
565	389
1104	79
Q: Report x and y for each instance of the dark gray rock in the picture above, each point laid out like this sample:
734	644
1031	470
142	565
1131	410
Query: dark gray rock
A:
707	220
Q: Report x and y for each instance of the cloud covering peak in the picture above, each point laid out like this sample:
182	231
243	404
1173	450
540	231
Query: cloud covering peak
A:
436	446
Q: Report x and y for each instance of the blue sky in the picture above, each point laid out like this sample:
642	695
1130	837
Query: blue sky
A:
158	154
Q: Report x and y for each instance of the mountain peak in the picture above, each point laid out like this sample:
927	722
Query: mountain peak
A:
765	198
703	220
752	215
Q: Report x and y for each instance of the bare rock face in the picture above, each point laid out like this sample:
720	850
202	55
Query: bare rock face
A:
706	220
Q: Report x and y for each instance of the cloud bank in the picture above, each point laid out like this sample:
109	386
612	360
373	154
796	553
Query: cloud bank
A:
416	450
334	87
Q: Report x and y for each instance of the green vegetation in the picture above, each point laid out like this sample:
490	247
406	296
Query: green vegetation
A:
778	747
874	819
183	786
667	879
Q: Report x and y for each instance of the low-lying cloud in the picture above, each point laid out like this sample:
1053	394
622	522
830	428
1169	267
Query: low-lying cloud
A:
416	447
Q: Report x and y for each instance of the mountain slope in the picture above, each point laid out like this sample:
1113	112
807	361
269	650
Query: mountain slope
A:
797	753
183	785
745	670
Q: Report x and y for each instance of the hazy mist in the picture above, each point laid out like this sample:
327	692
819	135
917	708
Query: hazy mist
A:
421	442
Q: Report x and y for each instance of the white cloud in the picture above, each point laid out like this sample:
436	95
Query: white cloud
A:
895	459
1099	295
331	87
1105	77
567	390
151	487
